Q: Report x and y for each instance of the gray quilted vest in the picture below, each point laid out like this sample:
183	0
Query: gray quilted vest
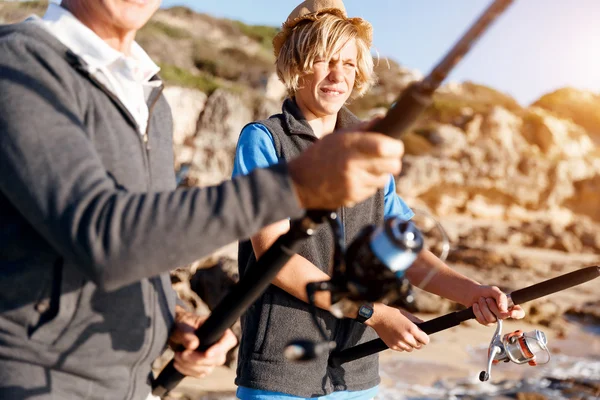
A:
278	318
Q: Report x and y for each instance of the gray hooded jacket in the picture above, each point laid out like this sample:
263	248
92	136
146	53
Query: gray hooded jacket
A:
90	222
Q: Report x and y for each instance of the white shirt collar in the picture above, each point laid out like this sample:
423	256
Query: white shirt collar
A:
90	47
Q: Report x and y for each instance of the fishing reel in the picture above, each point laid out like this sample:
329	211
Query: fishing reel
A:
518	347
373	267
370	270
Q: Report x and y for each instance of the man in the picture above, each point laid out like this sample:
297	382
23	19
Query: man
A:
90	221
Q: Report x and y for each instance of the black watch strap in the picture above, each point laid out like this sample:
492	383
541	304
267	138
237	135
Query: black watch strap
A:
364	312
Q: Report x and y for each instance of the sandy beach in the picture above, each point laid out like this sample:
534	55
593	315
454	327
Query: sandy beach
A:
448	368
454	357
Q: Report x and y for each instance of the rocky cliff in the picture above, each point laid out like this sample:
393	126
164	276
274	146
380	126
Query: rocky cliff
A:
517	187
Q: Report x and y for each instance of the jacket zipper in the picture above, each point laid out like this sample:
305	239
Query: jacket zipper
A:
144	353
79	65
145	140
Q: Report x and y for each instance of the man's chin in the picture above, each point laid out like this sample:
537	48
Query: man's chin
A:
134	18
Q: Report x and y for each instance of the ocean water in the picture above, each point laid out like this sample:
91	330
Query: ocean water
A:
566	376
573	373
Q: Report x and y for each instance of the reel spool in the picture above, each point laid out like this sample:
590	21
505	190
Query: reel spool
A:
374	264
517	347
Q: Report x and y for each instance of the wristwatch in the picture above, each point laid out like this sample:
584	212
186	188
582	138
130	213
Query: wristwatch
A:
364	312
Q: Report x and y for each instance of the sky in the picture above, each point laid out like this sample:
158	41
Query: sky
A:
533	48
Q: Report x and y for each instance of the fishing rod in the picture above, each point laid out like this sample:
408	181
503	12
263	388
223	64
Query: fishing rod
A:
245	292
516	347
397	121
419	95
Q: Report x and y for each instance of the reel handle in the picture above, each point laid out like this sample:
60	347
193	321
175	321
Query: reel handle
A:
485	375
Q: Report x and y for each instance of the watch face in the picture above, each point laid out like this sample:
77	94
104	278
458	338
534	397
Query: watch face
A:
365	311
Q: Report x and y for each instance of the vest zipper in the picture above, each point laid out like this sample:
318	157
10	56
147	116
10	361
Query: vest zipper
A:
339	326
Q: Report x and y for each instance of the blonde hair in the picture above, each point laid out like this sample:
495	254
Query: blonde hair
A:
322	39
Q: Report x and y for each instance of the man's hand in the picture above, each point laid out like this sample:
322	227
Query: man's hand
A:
189	361
397	328
345	168
490	303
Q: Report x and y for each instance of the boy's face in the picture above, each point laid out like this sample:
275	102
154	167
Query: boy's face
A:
325	91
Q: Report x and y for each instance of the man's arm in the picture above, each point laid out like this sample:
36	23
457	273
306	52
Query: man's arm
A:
51	172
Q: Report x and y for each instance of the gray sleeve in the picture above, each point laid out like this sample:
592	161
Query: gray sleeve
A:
51	172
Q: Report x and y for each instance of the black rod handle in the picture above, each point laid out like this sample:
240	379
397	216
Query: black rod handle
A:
375	346
245	292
